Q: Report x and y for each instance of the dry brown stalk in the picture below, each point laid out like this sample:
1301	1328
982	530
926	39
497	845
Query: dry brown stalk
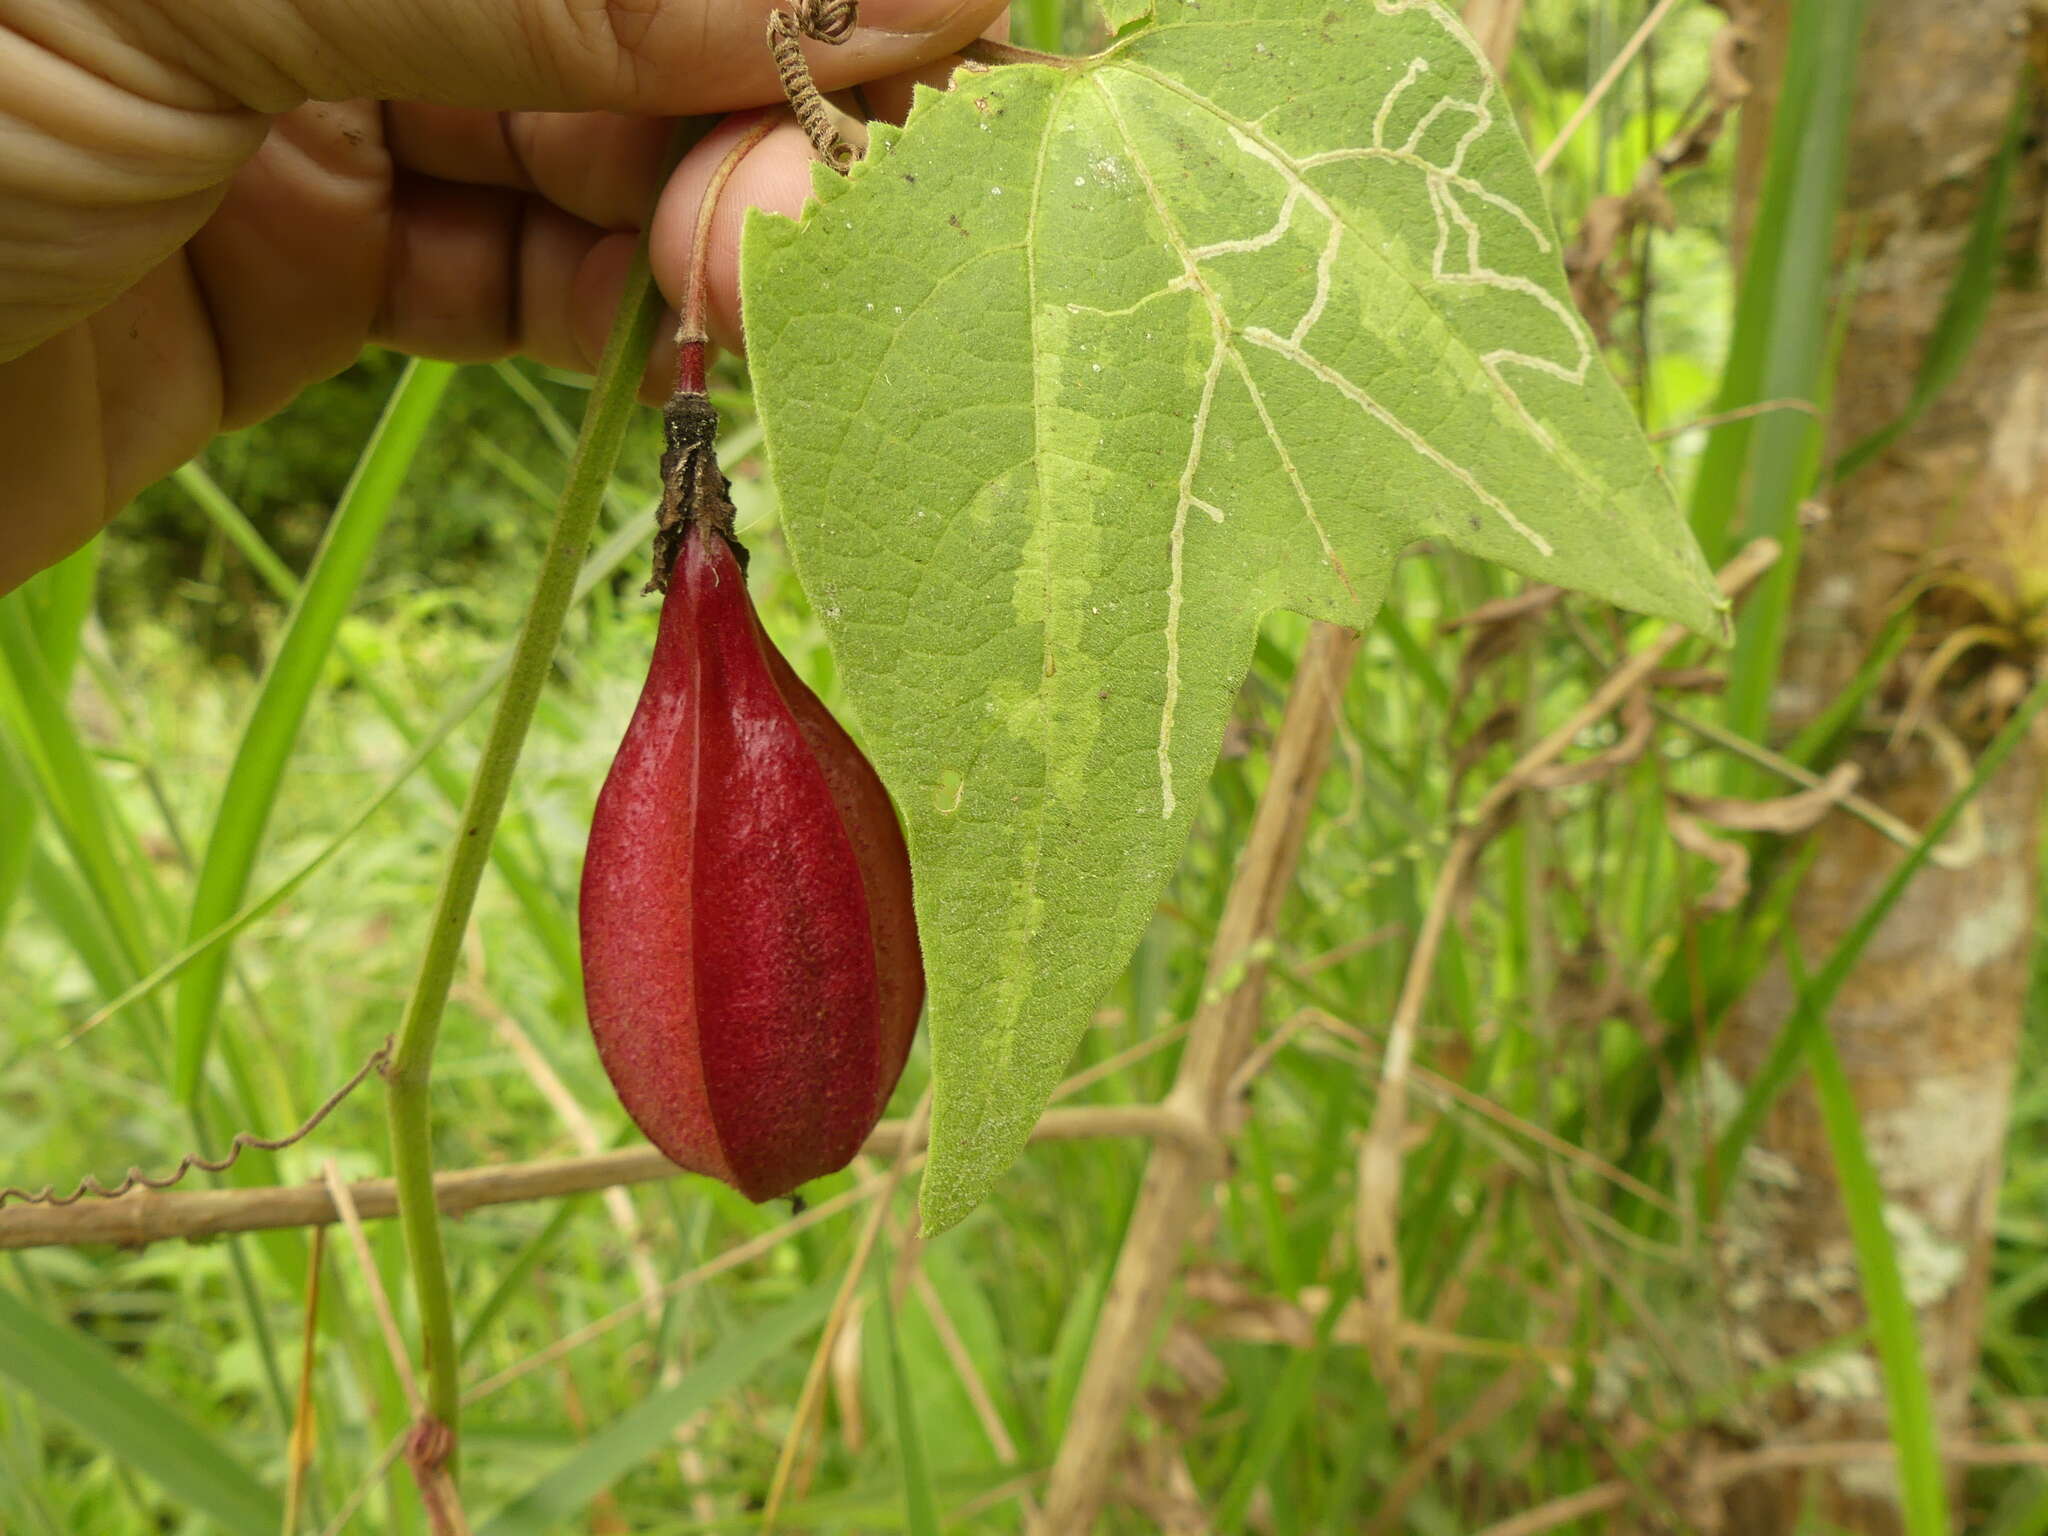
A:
1723	1470
141	1217
842	1308
1178	1173
1506	1119
727	1261
373	1282
1493	25
1573	1506
428	1444
1603	85
1494	1400
299	1444
1379	1159
370	1479
978	1397
1740	413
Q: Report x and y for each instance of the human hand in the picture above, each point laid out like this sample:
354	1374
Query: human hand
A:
206	205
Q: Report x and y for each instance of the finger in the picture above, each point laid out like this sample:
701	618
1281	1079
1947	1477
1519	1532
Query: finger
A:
475	274
600	166
291	267
594	302
478	274
890	97
320	245
775	175
636	56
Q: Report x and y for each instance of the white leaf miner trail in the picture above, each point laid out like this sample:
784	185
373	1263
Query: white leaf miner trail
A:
1089	368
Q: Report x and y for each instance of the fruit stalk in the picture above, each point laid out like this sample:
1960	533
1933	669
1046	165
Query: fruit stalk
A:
692	487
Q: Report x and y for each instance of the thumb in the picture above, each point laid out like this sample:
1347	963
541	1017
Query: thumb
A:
667	57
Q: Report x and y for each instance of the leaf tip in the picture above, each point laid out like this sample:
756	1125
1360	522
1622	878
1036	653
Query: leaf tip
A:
948	1195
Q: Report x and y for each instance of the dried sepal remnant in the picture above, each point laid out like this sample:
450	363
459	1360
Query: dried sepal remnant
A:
751	963
694	490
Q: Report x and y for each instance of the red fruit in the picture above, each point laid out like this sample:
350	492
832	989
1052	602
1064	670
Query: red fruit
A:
750	958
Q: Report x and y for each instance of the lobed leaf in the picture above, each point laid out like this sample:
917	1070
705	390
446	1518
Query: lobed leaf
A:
1095	363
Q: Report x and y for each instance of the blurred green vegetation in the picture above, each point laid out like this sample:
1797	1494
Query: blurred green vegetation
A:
1587	1340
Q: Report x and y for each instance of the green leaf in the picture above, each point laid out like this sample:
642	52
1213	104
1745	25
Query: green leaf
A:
1906	1389
250	791
79	1378
1093	365
1755	474
553	1503
57	601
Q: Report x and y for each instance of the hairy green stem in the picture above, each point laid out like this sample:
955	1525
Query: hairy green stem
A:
597	448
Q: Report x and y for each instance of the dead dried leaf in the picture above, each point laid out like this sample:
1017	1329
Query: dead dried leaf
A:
1783	815
1519	605
1731	858
1638	725
1690	679
1499	726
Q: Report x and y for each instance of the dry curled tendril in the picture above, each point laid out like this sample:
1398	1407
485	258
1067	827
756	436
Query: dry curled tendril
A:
826	21
242	1142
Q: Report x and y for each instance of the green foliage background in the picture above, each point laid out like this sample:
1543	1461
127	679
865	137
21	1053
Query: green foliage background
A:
151	1390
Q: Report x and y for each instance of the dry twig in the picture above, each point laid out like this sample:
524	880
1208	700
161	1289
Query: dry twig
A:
428	1443
1177	1173
1603	85
140	1217
1379	1160
842	1306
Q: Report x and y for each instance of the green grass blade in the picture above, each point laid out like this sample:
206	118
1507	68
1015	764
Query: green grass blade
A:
920	1505
1070	1349
1282	1410
1802	192
79	1378
63	902
1922	1496
236	528
68	783
544	914
1821	732
17	825
1809	1014
57	601
515	1273
553	1503
612	554
270	900
1038	24
273	729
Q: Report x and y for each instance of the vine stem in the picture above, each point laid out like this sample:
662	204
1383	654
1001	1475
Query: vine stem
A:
693	335
410	1071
